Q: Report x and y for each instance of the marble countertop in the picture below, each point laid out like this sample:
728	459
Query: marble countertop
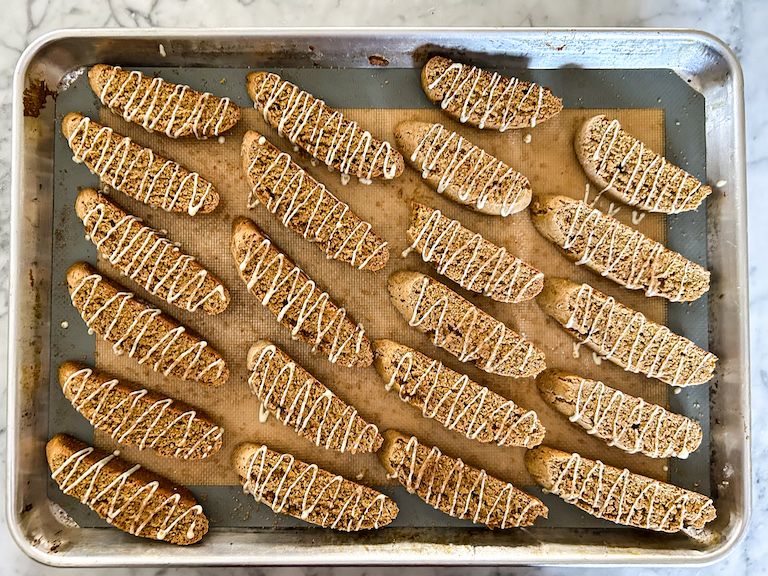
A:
740	23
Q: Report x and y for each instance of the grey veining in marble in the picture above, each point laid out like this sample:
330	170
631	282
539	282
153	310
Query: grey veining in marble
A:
740	23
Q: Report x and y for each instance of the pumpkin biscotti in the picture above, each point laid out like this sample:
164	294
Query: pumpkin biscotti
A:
618	495
135	328
453	399
624	336
124	494
621	420
612	249
145	256
629	171
461	328
305	206
470	260
322	131
295	300
305	491
135	170
486	99
463	172
451	486
134	415
176	110
304	403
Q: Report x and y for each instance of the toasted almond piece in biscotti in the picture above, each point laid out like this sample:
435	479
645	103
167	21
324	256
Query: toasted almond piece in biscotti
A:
295	300
305	206
134	415
135	170
486	99
463	172
618	495
453	399
289	486
174	109
147	257
135	328
127	496
451	486
305	404
624	336
625	421
322	131
629	171
470	260
461	328
617	251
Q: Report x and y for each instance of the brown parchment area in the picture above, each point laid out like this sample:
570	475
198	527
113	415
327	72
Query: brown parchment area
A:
544	154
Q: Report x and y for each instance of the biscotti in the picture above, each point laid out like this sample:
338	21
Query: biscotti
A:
618	495
125	495
134	415
302	402
612	249
453	399
295	300
322	131
621	420
135	170
470	260
145	256
624	336
461	328
305	491
487	99
176	110
459	490
135	328
629	171
305	206
463	172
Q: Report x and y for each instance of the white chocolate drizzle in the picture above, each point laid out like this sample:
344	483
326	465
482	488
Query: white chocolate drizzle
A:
501	96
313	494
461	491
288	395
464	406
646	169
267	272
130	335
307	207
148	107
468	173
323	132
137	519
498	349
630	422
489	269
628	338
604	492
141	253
168	180
133	414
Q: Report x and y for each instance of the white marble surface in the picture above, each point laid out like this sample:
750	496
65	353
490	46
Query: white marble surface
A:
741	23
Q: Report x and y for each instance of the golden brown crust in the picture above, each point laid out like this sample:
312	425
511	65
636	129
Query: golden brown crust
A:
618	495
290	486
459	490
125	495
144	255
485	99
146	334
305	206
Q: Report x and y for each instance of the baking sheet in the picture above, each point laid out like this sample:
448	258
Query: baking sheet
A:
362	292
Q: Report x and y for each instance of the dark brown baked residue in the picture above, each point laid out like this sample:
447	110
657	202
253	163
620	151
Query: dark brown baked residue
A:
378	60
34	97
